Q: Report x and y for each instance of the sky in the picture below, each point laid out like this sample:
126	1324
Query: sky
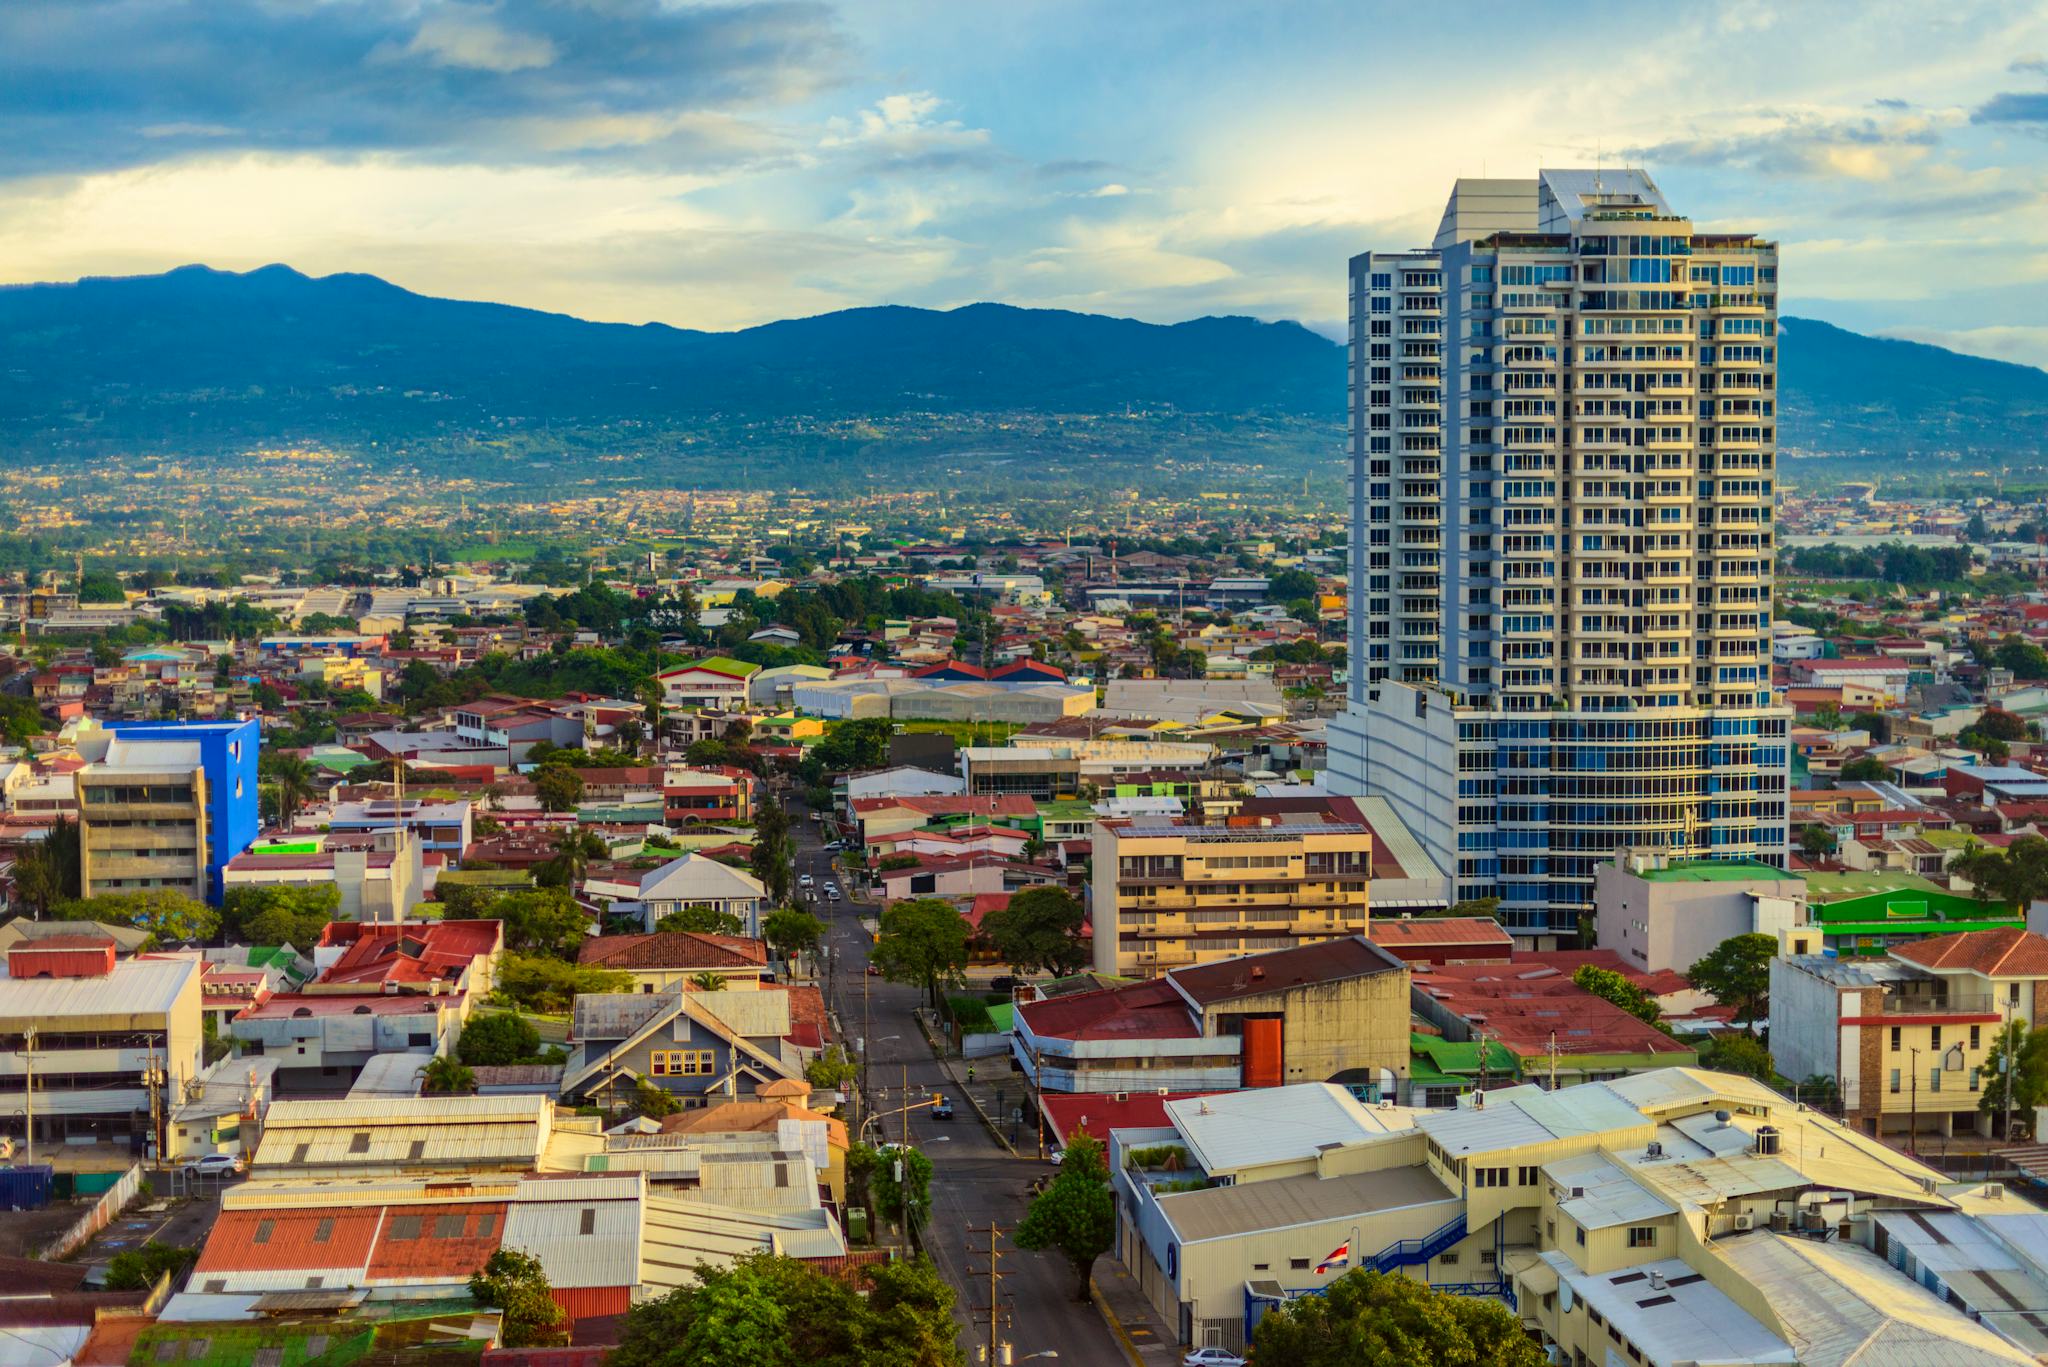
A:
717	165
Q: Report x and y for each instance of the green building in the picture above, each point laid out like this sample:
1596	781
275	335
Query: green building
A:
1861	913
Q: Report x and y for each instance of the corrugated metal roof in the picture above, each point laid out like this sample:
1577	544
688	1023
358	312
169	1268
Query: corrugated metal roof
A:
582	1242
1275	1124
426	1110
681	1233
1611	1196
136	988
1226	1212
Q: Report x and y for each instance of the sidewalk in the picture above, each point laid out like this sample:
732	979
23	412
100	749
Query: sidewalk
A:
1001	1100
1148	1340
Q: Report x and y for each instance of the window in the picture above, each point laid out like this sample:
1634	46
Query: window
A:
1298	1264
1449	1259
448	1226
1934	1037
486	1225
681	1062
1975	1032
324	1231
359	1142
405	1227
1528	1176
589	1223
263	1231
1580	1230
1642	1236
1895	1082
1895	1039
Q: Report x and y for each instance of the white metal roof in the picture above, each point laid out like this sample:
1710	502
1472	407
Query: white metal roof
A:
1277	1124
390	1075
1683	1320
1610	1196
681	1233
136	987
694	876
548	1219
1515	1117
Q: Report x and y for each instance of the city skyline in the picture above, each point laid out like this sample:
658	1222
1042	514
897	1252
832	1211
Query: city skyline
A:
722	166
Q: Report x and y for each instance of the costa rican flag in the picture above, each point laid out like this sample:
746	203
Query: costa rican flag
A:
1340	1256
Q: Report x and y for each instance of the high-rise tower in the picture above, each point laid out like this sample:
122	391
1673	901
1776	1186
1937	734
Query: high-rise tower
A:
1563	451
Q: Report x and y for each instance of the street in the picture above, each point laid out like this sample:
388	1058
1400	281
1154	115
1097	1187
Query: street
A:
974	1179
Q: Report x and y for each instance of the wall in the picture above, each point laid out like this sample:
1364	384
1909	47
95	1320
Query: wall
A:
1333	1027
1685	920
96	1219
1804	1035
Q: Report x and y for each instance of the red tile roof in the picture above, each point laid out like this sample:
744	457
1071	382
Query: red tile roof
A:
673	949
1994	953
1434	931
1523	1005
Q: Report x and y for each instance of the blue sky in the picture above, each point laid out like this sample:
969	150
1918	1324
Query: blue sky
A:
717	165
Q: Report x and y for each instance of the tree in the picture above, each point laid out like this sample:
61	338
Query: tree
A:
536	920
708	981
98	586
2028	1052
292	779
1391	1320
2025	659
558	786
772	852
1739	1052
1039	931
923	942
47	872
139	1269
514	1283
765	1310
574	849
832	1070
279	913
1864	769
1076	1215
447	1076
1876	724
1816	841
898	1180
551	986
1482	907
701	921
1738	974
2001	725
653	1100
169	917
1608	985
791	931
2017	874
498	1038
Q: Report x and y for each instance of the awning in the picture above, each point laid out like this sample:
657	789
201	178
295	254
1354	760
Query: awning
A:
1537	1279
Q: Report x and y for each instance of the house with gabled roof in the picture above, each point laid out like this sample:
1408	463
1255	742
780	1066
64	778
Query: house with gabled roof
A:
700	1046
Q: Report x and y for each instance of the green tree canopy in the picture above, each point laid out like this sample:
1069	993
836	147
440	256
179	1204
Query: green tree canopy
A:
1738	1051
2027	1051
139	1269
1737	973
2018	874
169	917
558	787
1076	1215
1816	840
446	1076
1388	1320
1864	769
923	942
496	1039
791	931
279	913
550	986
537	920
769	1311
1038	932
513	1283
701	921
1608	985
47	873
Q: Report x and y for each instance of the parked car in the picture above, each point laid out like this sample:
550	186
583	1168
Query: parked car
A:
874	972
1005	983
805	881
942	1109
214	1165
1212	1357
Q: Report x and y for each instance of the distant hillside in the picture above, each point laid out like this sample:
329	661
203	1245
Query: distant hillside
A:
198	359
1847	393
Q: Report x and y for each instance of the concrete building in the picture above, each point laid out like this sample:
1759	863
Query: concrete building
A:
442	826
1661	913
1330	1012
109	1043
165	805
691	880
712	682
1563	444
1906	1037
1168	895
1067	769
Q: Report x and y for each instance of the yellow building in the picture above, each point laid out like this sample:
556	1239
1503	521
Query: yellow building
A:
1166	895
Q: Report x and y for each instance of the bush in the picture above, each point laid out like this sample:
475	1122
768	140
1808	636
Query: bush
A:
970	1014
138	1269
495	1040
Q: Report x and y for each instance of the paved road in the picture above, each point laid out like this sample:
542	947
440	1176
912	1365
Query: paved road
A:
974	1179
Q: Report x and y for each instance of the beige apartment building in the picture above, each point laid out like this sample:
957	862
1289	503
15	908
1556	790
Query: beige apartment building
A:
143	829
1168	895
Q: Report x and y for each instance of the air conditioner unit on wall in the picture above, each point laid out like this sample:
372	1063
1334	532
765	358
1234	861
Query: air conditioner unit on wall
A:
1745	1221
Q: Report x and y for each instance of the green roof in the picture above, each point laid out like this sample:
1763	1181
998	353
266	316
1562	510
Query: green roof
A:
719	664
1005	1017
1450	1057
486	878
1065	807
1833	887
1716	871
1993	919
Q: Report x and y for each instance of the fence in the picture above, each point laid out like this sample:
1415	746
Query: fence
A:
97	1218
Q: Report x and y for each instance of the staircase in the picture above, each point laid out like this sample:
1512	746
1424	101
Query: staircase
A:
1409	1252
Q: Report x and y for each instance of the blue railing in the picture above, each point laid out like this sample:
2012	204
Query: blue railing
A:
1409	1252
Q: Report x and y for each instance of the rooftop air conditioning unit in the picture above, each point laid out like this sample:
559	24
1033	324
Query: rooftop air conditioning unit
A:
1745	1221
1994	1191
1123	1096
1165	1091
1655	1150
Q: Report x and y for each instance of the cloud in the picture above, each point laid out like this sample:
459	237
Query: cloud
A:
1806	143
89	85
2028	107
898	133
1109	191
468	38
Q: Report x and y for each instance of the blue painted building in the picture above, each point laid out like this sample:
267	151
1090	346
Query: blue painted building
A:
224	752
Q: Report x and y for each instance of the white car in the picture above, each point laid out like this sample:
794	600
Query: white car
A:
1212	1357
805	881
214	1165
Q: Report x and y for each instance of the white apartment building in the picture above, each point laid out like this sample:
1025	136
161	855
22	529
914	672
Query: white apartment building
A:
1563	445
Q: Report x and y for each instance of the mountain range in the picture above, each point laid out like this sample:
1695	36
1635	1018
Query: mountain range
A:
209	359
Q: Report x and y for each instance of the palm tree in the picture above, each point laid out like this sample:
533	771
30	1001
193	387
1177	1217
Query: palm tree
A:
447	1076
292	777
708	982
574	849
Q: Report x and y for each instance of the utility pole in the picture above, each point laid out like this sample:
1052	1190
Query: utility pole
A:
906	1106
1553	1060
994	1293
2005	1054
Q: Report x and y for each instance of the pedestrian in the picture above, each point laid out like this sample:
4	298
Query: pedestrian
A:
970	1075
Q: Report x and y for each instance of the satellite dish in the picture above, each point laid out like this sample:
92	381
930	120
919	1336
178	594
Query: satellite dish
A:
1564	1295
